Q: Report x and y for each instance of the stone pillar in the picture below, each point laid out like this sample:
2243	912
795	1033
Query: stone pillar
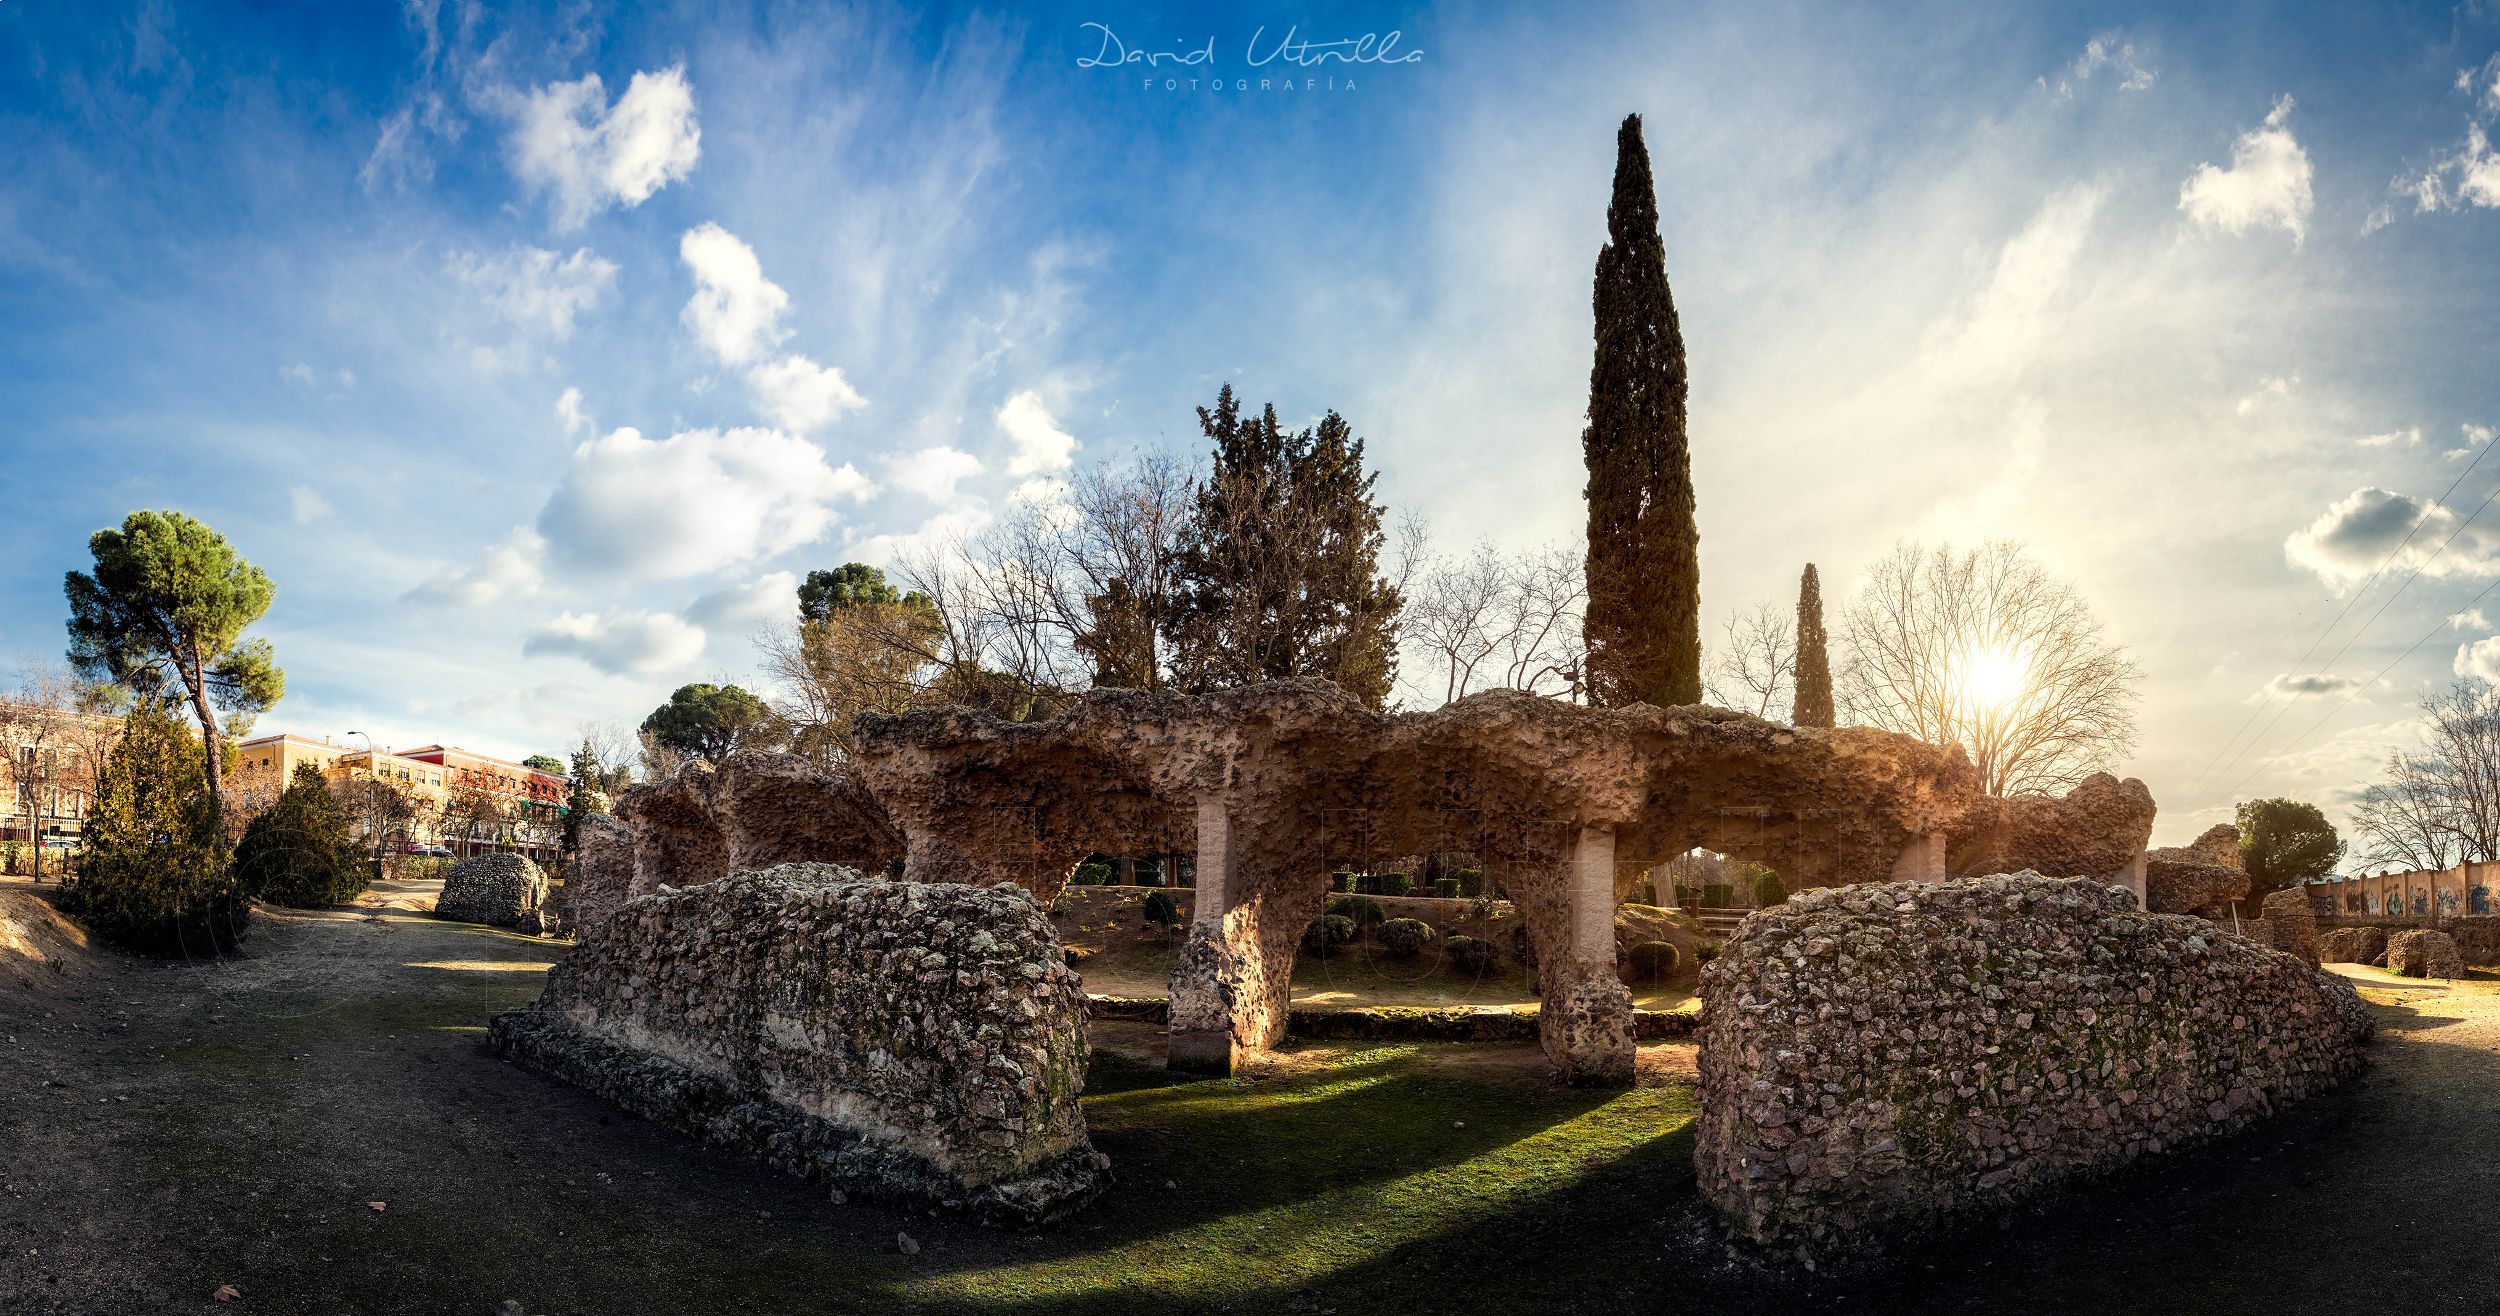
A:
1585	1020
1200	1034
2133	879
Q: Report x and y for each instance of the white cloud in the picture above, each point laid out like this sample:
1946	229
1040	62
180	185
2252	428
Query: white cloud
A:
624	643
588	155
300	373
697	501
2472	619
2410	437
2349	540
2107	51
534	289
1040	491
2266	185
931	473
2471	439
509	570
2479	660
569	410
308	505
2280	386
2289	687
744	609
1041	446
800	395
735	312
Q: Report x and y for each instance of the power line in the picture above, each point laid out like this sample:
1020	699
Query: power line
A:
2218	764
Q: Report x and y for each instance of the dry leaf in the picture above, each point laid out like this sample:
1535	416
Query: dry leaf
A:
225	1293
379	1206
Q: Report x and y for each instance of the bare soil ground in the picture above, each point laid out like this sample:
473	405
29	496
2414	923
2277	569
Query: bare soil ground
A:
169	1128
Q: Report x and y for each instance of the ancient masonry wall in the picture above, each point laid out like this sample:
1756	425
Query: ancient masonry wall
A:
1875	1058
912	1042
505	890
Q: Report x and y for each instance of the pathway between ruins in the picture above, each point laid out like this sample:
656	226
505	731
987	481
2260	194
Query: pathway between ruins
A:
166	1129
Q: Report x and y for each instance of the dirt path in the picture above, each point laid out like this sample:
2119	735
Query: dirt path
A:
165	1129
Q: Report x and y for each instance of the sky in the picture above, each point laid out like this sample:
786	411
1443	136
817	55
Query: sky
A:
536	351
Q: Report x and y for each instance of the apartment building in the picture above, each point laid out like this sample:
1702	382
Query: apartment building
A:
469	802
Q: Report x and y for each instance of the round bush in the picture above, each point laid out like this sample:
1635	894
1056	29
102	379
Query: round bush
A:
1653	961
1445	888
1327	933
1768	890
1160	910
1471	956
1405	936
1365	911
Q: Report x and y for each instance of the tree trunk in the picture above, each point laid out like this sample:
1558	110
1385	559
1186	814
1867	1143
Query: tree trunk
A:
216	767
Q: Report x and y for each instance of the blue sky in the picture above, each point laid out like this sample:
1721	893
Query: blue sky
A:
2199	303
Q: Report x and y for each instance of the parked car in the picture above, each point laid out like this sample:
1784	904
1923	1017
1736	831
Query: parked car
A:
435	851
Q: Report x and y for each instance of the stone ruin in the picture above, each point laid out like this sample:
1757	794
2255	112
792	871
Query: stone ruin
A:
1273	786
2422	953
917	1043
503	890
2362	945
1876	1059
2202	877
602	875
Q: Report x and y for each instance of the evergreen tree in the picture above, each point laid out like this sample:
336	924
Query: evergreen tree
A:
154	877
707	721
298	851
547	763
1814	657
585	794
851	585
164	613
2285	843
1643	625
1276	575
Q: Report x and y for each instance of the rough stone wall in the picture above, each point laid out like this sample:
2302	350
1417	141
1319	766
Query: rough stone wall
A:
2096	830
914	1042
2422	953
1306	779
2352	945
2202	877
1876	1058
602	874
705	821
2292	923
505	890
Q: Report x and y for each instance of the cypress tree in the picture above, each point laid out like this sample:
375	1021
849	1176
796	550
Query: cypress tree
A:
1643	626
1814	659
298	851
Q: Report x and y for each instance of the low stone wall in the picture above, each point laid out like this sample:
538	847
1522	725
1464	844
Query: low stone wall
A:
1875	1058
921	1043
505	890
2477	935
2421	953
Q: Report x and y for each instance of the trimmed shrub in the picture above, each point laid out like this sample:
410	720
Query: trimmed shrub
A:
1396	884
1091	874
1445	888
1363	910
297	851
1405	936
1341	880
1160	910
1768	890
1718	895
1471	882
1471	956
1654	961
154	878
1327	933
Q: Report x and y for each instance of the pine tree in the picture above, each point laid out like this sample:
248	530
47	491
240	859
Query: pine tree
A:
154	877
1814	659
1277	573
1643	625
298	851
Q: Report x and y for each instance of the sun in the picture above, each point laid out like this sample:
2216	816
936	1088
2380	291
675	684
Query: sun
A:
1991	680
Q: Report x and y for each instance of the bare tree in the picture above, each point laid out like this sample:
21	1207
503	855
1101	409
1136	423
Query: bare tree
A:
1489	622
2403	820
1756	666
38	721
1985	649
